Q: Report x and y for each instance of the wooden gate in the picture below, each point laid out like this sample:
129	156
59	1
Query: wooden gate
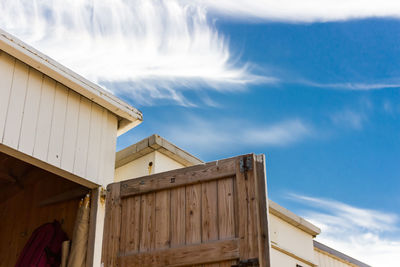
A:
213	214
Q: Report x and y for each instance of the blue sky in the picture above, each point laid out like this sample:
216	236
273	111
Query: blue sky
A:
315	89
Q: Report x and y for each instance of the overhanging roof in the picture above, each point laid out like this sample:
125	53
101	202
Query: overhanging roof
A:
128	116
155	143
293	219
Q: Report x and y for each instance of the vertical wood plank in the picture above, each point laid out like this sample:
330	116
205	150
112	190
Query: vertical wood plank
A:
193	214
31	110
178	210
209	214
264	245
209	206
162	225
92	166
70	132
16	105
7	64
246	213
44	119
82	142
130	224
147	222
112	226
226	208
58	125
226	211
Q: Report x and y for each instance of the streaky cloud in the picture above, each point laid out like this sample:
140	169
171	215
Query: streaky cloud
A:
370	235
303	11
351	86
158	49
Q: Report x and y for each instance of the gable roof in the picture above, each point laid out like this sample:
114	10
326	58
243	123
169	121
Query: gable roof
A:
128	116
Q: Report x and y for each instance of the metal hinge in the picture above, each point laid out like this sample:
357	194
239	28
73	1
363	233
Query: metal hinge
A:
248	263
246	164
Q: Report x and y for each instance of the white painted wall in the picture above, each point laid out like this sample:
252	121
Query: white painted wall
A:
50	122
140	166
164	163
290	239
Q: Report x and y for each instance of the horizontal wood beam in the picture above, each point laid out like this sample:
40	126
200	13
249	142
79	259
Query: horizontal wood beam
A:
184	256
65	196
175	178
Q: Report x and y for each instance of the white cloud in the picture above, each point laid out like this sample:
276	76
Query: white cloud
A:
145	50
305	10
210	136
349	118
351	86
368	235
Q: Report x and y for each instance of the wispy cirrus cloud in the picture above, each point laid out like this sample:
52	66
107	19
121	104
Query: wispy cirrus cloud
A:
349	118
304	11
352	86
210	136
144	50
368	235
158	50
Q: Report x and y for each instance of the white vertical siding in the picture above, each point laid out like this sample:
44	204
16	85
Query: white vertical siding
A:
44	119
327	260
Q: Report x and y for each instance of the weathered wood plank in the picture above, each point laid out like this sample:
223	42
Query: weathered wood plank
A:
180	177
7	64
112	226
130	224
210	216
44	119
147	233
58	125
178	211
184	256
16	105
246	212
193	214
226	218
163	220
261	191
31	110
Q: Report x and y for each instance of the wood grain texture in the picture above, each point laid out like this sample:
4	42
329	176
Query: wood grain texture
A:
112	226
180	177
184	256
162	220
193	214
178	216
207	206
147	233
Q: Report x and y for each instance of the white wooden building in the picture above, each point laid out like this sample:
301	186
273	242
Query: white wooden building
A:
53	123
